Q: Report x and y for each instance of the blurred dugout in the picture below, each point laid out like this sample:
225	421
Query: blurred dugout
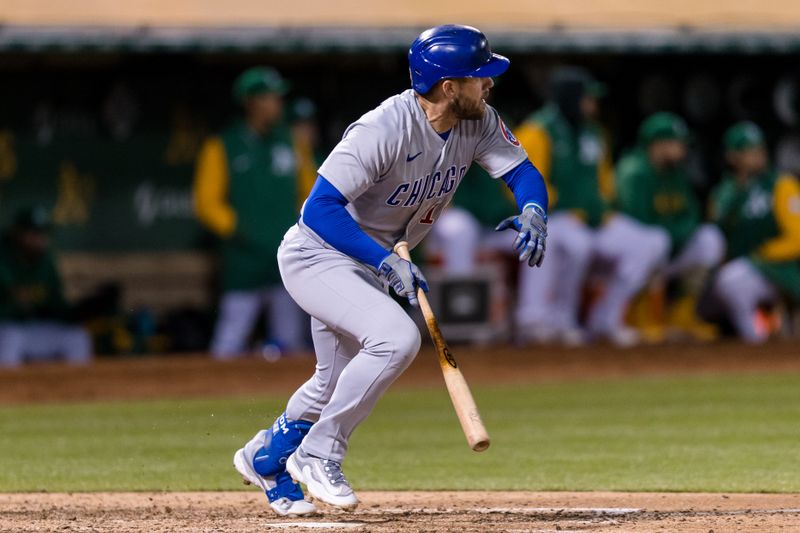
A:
111	102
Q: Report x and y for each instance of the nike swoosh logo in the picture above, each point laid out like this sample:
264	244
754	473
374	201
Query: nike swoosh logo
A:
410	157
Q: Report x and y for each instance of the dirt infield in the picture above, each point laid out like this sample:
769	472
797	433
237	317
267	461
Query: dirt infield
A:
380	512
384	512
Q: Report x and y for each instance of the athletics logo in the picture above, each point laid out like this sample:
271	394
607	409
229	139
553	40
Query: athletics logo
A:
507	135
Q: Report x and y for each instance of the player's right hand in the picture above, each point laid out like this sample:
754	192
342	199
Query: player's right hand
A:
404	277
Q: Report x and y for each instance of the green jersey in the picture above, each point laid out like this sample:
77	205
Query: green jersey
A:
573	160
487	199
746	213
246	192
29	290
658	198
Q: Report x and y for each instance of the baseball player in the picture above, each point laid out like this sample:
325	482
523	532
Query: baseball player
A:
653	187
758	209
569	145
245	192
34	315
394	171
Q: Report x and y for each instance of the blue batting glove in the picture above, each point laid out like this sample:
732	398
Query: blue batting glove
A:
404	277
531	226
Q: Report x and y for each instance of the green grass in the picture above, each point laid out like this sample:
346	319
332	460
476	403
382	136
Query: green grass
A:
732	433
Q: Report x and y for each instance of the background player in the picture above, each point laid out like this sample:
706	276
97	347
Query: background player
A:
245	192
574	155
35	318
389	178
654	187
759	211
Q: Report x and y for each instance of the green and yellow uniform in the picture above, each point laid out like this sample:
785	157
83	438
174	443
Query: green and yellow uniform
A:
29	289
303	112
246	193
664	198
658	198
575	162
761	220
488	200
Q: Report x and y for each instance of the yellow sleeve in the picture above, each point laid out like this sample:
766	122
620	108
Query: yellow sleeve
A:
535	140
605	174
306	169
786	246
211	179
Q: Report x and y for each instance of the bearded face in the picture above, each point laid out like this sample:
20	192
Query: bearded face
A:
469	102
466	108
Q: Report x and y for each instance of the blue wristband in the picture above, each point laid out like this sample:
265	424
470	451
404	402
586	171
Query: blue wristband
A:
528	186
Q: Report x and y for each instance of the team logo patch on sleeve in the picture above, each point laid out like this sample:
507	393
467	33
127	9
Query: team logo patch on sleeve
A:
507	135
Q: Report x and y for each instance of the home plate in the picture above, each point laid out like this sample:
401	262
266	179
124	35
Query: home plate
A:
317	525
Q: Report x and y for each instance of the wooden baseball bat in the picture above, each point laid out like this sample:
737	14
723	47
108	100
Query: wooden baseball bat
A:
465	407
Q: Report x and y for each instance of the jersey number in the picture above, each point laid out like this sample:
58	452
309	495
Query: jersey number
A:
428	218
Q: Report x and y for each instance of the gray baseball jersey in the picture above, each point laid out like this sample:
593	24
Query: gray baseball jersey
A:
398	174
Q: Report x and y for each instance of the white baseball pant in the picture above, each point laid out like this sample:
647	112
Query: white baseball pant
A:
704	250
43	340
458	237
741	288
238	312
550	295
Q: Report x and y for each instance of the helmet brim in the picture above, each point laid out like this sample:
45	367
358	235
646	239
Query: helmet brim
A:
494	67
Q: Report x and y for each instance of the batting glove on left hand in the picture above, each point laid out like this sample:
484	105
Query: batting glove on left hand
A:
404	277
532	227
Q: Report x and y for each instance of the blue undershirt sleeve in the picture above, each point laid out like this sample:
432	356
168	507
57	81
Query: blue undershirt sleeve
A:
325	214
527	184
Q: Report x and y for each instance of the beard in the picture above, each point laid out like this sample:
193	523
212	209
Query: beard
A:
466	110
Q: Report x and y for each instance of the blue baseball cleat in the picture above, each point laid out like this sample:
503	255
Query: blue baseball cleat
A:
264	467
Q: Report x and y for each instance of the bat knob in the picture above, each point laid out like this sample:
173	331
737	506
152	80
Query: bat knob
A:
481	445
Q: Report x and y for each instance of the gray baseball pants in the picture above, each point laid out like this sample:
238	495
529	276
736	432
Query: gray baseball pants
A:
362	338
43	340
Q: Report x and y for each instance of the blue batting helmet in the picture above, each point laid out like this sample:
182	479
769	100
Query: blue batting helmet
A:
452	51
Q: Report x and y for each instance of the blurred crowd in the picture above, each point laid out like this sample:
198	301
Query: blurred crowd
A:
634	253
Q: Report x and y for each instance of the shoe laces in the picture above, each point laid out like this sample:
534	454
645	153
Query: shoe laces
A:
334	472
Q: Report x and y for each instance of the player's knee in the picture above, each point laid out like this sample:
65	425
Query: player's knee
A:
399	340
712	242
660	244
411	342
406	340
731	279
